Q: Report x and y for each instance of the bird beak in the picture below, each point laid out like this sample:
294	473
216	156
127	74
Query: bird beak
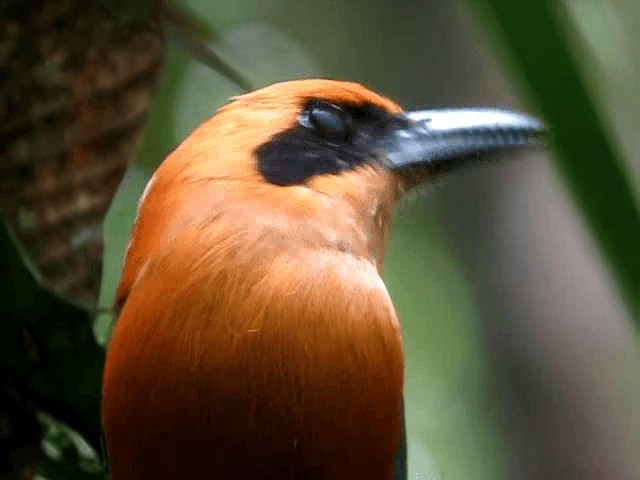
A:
443	139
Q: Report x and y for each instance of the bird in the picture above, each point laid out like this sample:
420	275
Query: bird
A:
254	335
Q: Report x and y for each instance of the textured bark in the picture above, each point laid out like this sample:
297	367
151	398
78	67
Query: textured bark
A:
75	88
76	80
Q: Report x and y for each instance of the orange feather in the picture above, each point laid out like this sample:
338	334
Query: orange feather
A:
255	337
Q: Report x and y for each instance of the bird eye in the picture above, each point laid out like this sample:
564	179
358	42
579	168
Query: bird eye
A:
329	120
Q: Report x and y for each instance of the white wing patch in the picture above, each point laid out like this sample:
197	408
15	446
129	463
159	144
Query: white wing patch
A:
143	197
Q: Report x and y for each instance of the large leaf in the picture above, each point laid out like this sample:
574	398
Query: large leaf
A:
47	348
585	154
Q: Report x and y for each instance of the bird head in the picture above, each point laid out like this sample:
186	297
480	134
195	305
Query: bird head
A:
314	162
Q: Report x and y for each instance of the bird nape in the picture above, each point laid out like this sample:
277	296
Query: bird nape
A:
255	337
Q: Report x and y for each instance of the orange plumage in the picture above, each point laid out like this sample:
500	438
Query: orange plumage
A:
255	336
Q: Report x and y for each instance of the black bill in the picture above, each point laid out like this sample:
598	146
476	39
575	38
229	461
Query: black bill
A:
443	139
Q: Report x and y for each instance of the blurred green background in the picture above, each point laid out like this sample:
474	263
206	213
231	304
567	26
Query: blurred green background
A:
522	360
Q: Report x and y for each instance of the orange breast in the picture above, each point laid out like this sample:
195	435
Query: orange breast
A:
295	374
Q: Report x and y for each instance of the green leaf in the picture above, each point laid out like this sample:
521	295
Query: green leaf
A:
47	348
585	154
